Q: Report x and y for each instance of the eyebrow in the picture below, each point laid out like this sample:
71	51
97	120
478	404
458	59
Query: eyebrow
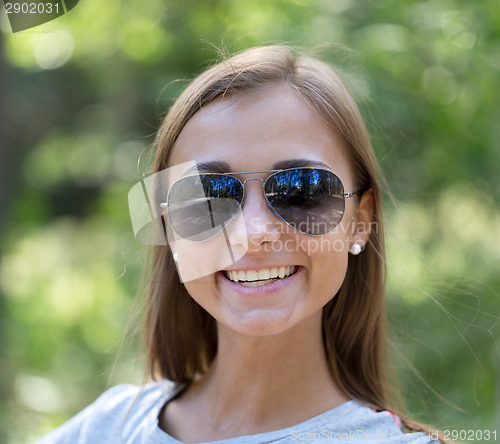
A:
223	167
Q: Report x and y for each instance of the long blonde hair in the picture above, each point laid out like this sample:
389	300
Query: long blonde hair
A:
181	337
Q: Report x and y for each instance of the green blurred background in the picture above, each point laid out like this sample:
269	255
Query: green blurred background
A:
81	98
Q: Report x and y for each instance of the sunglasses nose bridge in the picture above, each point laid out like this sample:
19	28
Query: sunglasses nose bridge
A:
266	202
244	182
253	178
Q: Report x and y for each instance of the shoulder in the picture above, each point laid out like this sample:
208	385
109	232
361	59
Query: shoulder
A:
354	421
117	410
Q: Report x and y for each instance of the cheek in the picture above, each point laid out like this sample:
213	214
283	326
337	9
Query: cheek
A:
203	291
331	246
328	258
197	260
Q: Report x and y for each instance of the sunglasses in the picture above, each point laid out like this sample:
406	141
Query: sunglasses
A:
311	200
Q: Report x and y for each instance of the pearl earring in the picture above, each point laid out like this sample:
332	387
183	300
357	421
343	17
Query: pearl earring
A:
176	257
356	249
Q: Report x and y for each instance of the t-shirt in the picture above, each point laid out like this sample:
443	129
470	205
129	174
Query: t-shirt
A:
128	414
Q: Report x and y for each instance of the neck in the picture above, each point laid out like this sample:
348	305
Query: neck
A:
268	382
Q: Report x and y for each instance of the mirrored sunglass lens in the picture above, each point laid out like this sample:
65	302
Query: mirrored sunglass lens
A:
310	200
200	206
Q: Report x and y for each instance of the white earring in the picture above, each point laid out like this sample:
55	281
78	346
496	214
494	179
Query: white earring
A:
176	257
356	249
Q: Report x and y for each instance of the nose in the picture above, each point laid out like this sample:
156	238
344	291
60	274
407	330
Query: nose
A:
261	225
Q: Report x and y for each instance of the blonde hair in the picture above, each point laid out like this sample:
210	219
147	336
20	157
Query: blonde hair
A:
181	337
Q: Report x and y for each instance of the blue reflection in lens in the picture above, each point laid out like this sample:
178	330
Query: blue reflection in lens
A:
309	199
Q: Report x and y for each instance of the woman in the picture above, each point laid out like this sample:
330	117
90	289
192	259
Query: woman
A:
283	339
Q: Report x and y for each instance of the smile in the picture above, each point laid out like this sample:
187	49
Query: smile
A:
257	278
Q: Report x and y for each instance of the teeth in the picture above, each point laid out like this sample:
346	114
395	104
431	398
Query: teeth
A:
252	275
257	283
260	277
264	274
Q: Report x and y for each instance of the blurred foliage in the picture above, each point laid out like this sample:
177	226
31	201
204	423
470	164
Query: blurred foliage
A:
80	100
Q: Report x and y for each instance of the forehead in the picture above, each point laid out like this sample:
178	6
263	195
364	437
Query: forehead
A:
255	132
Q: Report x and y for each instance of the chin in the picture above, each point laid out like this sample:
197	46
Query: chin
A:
260	323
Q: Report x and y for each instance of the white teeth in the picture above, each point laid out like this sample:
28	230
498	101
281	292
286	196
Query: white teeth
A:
252	275
260	277
264	274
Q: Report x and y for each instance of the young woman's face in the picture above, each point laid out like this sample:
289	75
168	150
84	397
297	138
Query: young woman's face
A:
254	133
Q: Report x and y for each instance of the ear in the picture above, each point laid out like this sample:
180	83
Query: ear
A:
362	223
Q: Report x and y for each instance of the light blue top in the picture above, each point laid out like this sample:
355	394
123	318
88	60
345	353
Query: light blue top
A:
127	414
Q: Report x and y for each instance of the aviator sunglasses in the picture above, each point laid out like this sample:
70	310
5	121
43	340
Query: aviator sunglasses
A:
311	200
